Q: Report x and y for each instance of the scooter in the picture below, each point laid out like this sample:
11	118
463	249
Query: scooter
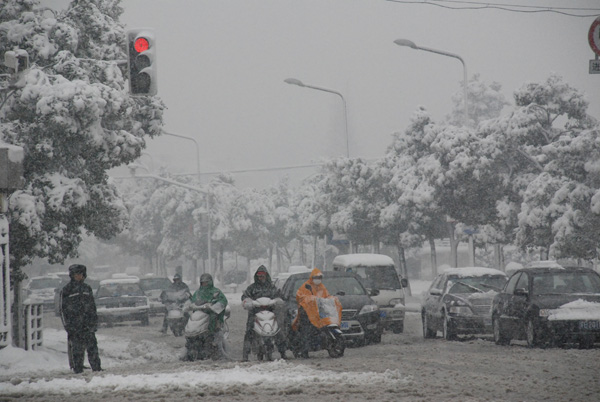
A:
174	302
324	315
200	342
265	325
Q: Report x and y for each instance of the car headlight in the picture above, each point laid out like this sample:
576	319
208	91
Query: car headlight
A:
545	312
369	308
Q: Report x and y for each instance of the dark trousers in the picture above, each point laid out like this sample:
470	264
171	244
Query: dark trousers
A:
79	343
305	331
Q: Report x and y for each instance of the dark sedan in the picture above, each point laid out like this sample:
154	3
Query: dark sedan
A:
360	315
459	301
549	305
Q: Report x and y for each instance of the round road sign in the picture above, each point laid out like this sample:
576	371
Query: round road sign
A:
594	36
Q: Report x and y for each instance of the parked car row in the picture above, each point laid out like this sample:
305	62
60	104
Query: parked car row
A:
543	304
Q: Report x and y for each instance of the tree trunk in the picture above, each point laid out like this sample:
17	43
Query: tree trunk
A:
499	256
433	257
453	245
278	257
270	267
302	253
314	259
402	268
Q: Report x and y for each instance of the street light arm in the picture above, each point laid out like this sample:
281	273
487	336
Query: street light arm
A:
294	81
174	182
412	45
197	149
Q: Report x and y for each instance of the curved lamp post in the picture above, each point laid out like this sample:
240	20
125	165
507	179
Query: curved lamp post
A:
412	45
294	81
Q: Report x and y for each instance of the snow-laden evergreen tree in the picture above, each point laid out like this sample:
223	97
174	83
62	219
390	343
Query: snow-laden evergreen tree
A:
411	213
72	114
551	147
285	227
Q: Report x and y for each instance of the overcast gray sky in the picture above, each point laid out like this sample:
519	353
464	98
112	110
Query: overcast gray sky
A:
222	63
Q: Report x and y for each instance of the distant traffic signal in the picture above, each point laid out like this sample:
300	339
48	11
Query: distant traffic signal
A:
141	52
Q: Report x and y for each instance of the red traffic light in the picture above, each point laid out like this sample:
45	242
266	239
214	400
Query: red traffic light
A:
141	45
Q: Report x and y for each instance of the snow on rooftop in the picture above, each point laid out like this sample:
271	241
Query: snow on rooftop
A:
364	259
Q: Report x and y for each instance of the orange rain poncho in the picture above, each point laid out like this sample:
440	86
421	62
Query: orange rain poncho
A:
307	297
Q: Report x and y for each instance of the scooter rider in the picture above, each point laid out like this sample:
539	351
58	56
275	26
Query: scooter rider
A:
262	287
176	286
216	302
313	287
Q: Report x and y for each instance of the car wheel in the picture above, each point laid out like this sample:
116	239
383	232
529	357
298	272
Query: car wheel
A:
499	337
427	332
531	334
449	332
376	337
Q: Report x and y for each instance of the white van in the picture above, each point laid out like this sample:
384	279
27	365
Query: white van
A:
378	272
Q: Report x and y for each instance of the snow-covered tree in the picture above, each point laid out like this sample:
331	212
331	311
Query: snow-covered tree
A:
72	114
411	213
484	102
285	227
548	148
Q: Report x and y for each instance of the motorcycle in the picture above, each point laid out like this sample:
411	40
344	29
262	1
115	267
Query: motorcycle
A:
265	325
200	342
324	315
174	302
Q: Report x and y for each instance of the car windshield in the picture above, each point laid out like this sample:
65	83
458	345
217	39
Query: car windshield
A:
120	289
566	283
475	284
350	286
382	277
155	283
44	283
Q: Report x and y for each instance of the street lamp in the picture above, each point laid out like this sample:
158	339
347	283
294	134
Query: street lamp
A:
412	45
294	81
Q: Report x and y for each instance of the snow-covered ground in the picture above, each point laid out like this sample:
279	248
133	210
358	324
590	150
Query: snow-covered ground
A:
45	371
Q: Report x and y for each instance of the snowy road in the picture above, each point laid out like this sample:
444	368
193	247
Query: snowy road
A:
141	364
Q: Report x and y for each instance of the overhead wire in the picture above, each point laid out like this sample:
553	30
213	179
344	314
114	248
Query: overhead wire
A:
518	8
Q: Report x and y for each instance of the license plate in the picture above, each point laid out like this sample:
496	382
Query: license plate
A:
589	325
382	313
345	325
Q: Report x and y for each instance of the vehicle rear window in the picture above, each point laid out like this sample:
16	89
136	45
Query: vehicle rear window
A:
155	283
120	289
475	284
382	277
348	285
45	283
566	283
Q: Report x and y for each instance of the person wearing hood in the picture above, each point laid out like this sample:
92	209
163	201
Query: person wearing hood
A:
312	288
177	285
261	287
80	319
216	302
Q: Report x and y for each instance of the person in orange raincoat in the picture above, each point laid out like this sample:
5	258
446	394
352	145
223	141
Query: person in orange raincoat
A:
308	313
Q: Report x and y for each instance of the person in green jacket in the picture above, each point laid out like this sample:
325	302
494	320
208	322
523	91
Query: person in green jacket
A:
214	304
